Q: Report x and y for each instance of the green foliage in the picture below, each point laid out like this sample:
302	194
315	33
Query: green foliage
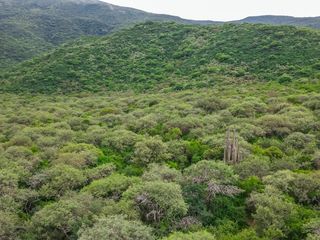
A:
203	235
273	212
162	173
55	181
151	150
157	201
32	27
111	187
137	58
75	161
210	171
116	228
9	225
63	219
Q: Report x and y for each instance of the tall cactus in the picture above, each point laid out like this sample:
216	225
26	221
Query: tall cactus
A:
232	154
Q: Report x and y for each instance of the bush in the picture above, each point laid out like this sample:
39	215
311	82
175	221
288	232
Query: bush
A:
210	171
157	172
55	181
111	187
211	105
116	228
285	78
253	166
203	235
276	125
157	201
150	150
63	219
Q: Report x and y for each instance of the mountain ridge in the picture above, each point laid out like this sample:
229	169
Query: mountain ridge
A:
31	27
154	56
312	22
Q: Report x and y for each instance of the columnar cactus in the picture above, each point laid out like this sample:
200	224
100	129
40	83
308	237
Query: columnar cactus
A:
232	154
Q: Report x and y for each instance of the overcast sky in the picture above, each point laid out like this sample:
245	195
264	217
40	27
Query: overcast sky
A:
225	9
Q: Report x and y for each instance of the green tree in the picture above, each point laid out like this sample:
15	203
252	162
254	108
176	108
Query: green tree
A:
151	150
203	235
62	219
157	201
116	228
111	187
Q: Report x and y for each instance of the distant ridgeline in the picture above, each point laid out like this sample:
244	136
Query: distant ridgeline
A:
171	56
31	27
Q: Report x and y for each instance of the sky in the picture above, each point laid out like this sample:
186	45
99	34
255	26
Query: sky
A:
225	10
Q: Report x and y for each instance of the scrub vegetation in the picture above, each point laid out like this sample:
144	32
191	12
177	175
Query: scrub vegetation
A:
165	131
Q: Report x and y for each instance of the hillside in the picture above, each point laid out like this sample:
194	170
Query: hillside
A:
312	22
30	27
168	55
162	131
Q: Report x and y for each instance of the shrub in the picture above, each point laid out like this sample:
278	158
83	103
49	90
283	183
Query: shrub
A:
253	166
272	212
203	235
276	125
111	187
157	172
116	228
211	105
150	150
11	226
285	78
55	181
63	219
210	171
157	201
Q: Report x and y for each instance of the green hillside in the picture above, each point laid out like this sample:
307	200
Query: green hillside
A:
30	27
164	131
312	22
169	55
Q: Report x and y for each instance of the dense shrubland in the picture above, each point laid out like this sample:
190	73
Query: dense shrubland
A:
170	56
150	166
32	27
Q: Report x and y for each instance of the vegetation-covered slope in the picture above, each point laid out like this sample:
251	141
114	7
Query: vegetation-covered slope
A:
30	27
150	166
233	155
313	22
169	55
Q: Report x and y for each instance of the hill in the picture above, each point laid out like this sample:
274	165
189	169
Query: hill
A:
312	22
30	27
171	56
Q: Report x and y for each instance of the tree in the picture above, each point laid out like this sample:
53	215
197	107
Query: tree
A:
11	226
210	171
276	125
272	212
120	140
253	166
55	181
116	228
79	155
304	187
62	219
203	235
157	172
151	150
157	201
312	228
111	187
